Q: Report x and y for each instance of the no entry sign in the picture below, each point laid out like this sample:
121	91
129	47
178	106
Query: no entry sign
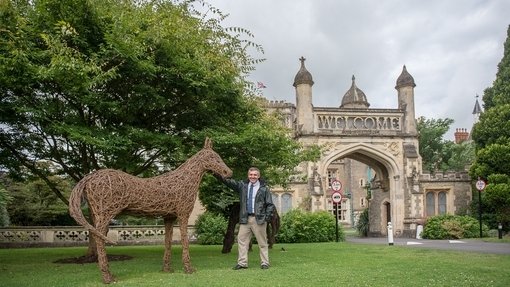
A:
336	197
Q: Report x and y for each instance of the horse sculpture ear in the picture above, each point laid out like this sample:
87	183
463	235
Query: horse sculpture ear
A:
208	143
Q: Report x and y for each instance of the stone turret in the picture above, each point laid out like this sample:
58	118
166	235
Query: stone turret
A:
405	87
303	83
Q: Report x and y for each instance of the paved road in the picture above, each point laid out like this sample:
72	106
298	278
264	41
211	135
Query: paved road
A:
471	245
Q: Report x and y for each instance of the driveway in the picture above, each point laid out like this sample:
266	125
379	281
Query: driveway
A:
471	245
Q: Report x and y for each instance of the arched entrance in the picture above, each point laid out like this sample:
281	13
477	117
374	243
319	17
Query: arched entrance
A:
368	175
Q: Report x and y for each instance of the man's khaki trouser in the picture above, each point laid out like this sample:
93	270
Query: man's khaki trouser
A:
243	241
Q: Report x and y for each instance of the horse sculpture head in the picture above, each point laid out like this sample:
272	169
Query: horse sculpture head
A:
212	161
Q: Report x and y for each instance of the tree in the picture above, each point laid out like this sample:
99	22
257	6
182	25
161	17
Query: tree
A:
5	199
434	150
34	204
497	197
117	84
266	145
492	142
463	154
499	93
130	85
493	127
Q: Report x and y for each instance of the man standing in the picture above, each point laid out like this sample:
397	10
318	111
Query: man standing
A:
255	212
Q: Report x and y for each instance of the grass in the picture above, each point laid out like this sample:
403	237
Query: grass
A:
504	239
314	264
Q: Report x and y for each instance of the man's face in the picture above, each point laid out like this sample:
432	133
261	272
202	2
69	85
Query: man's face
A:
253	176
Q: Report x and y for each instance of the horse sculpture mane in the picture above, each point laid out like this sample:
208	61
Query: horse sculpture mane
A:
171	196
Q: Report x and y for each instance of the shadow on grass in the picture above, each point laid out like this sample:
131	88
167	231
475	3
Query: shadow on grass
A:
92	259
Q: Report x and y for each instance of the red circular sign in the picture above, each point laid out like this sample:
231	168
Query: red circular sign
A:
480	184
336	185
336	197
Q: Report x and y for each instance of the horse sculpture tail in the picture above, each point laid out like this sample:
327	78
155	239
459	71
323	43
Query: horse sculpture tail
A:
77	214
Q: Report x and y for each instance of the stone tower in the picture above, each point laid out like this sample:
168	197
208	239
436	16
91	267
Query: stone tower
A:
405	87
303	83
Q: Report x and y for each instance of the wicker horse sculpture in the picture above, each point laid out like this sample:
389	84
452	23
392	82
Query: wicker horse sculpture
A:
171	196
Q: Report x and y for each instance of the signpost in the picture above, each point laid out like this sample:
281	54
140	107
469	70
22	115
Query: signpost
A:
480	185
336	197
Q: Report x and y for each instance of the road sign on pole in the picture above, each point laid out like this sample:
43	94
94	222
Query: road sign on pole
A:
336	185
336	197
480	184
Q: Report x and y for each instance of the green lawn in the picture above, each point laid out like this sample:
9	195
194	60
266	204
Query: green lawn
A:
320	264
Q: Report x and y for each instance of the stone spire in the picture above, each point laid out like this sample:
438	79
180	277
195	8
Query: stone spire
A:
354	97
405	79
303	76
477	110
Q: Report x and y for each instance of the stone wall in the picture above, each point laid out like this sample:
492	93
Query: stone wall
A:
61	236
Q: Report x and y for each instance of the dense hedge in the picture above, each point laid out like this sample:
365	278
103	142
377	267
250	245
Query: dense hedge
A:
210	228
298	226
449	226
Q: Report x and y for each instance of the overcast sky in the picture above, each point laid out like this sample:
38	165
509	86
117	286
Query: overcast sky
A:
451	48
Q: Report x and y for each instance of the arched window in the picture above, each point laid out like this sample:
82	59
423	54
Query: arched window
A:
286	202
436	202
431	210
361	182
441	202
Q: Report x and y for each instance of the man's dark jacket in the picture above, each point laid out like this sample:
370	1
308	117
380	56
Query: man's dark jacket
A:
263	201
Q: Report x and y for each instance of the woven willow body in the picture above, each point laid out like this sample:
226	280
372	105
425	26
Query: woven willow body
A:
171	196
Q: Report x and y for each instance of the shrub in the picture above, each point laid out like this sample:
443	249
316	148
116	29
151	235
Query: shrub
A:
298	226
449	226
210	228
363	226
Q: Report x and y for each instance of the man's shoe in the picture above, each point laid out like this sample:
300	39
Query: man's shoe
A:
237	267
264	267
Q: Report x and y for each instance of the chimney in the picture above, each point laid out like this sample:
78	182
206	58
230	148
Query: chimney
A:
461	134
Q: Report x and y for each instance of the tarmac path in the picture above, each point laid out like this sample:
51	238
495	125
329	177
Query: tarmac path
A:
471	245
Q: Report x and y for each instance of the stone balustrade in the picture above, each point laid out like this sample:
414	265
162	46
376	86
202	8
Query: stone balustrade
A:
43	236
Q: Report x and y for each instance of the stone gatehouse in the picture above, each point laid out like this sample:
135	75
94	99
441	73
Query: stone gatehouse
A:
373	153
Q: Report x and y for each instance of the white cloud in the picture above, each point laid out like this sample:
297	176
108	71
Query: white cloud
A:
451	48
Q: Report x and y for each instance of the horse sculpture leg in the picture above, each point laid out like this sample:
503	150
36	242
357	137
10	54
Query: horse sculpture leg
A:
102	258
183	226
169	230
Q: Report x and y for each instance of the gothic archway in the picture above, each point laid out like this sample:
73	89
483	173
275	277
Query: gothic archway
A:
383	188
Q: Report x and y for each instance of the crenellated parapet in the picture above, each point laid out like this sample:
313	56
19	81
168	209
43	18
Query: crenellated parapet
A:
446	176
279	104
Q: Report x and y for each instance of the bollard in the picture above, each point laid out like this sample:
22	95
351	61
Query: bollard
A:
419	230
500	231
390	234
